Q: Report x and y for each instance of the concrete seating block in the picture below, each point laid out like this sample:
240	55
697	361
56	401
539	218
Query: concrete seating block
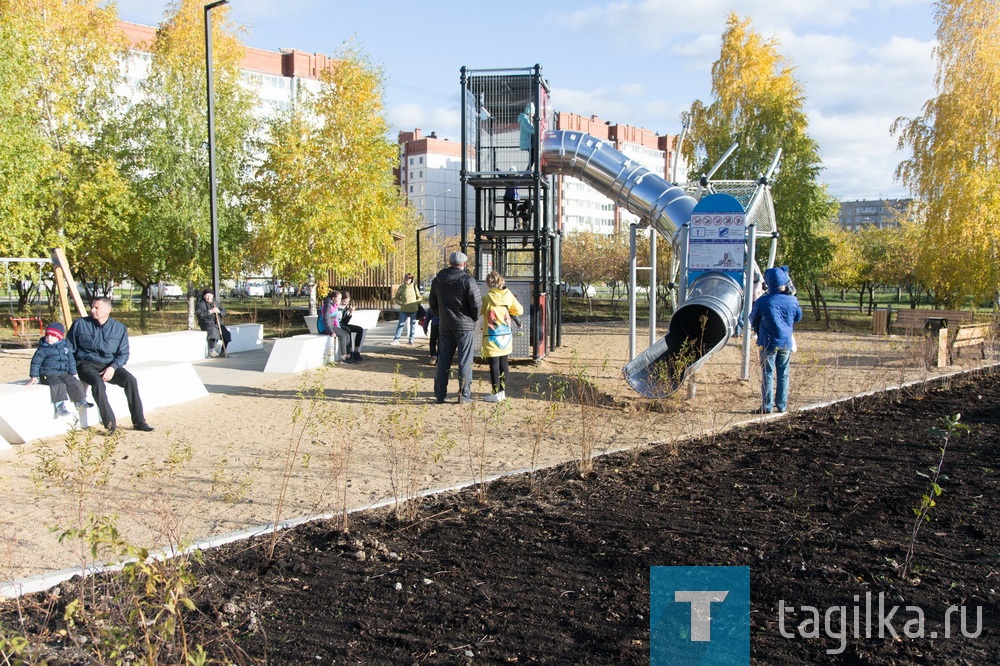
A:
311	323
172	346
246	337
26	411
366	319
301	352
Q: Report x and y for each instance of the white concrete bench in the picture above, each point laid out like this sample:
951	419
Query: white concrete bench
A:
301	352
26	412
172	346
366	319
246	337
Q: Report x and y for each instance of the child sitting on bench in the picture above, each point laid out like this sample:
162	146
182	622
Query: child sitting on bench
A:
55	366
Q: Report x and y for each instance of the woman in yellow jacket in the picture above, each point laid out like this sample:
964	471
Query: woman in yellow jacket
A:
499	307
408	299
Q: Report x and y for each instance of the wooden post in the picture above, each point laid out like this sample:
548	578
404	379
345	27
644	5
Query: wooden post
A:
59	263
61	292
942	348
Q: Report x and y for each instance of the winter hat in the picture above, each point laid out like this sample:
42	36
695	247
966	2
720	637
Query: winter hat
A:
56	329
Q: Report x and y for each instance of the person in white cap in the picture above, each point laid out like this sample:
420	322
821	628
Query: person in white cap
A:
456	301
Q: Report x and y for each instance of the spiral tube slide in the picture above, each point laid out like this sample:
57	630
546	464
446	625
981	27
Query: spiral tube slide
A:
710	314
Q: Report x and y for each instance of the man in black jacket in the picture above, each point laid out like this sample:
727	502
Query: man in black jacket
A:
100	344
456	301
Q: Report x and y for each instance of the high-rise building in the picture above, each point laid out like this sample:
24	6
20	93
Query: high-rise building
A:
428	176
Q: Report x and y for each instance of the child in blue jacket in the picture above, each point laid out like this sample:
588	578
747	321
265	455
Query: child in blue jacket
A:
55	366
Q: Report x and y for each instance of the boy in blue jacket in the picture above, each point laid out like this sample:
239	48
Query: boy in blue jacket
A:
773	319
54	365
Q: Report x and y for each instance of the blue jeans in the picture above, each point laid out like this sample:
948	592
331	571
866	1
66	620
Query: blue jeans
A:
450	342
774	393
401	326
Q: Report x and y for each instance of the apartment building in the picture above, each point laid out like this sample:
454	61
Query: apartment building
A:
275	75
859	213
581	208
428	176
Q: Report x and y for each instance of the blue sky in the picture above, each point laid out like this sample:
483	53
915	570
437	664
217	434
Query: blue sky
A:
863	63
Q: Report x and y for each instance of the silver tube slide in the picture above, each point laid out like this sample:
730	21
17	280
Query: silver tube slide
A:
709	315
618	177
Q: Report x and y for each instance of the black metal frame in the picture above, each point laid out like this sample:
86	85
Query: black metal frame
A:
523	246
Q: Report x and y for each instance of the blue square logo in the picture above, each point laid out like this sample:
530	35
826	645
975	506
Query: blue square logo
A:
699	615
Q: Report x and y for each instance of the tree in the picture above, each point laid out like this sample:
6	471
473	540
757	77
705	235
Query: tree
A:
57	104
760	104
324	197
955	165
169	160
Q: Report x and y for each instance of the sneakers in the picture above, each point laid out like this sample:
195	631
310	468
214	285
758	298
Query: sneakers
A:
60	410
349	359
495	397
356	357
83	404
395	342
410	341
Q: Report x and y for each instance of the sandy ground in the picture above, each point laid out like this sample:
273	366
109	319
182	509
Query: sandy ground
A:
258	449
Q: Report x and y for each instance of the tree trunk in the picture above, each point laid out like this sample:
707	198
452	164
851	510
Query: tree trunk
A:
826	310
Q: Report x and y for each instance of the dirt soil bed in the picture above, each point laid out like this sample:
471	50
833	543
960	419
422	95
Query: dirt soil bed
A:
554	567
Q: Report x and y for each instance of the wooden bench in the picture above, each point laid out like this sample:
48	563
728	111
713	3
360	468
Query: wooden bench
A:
910	322
968	335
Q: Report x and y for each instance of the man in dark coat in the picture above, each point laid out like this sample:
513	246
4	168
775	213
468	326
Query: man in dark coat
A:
209	314
101	348
455	300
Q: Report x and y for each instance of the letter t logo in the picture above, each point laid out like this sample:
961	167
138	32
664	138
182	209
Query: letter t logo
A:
701	610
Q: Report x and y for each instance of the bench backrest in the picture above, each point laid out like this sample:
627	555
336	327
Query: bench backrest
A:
971	334
914	319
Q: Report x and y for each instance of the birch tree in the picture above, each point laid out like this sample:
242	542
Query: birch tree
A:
955	166
324	198
759	103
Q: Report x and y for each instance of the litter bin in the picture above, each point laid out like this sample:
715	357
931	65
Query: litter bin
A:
935	324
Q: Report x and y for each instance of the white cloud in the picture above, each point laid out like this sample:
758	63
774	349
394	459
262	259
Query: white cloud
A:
447	122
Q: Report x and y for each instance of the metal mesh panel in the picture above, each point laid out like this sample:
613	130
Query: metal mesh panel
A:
495	98
755	199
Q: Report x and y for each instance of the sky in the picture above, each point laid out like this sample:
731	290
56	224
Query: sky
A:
862	63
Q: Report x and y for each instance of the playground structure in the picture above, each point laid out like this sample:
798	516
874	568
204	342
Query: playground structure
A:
509	155
508	199
713	237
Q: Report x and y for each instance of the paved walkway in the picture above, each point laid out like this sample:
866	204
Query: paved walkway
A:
235	373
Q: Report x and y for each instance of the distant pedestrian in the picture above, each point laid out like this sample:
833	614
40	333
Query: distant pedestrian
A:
408	299
773	319
456	302
500	309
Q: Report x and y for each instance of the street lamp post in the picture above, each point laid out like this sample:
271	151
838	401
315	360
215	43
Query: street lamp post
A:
419	275
213	214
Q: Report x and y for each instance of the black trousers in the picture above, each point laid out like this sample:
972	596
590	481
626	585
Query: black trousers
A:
90	374
62	387
499	367
434	339
359	335
213	333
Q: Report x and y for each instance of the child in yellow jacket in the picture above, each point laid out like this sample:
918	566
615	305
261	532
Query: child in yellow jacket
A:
500	307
